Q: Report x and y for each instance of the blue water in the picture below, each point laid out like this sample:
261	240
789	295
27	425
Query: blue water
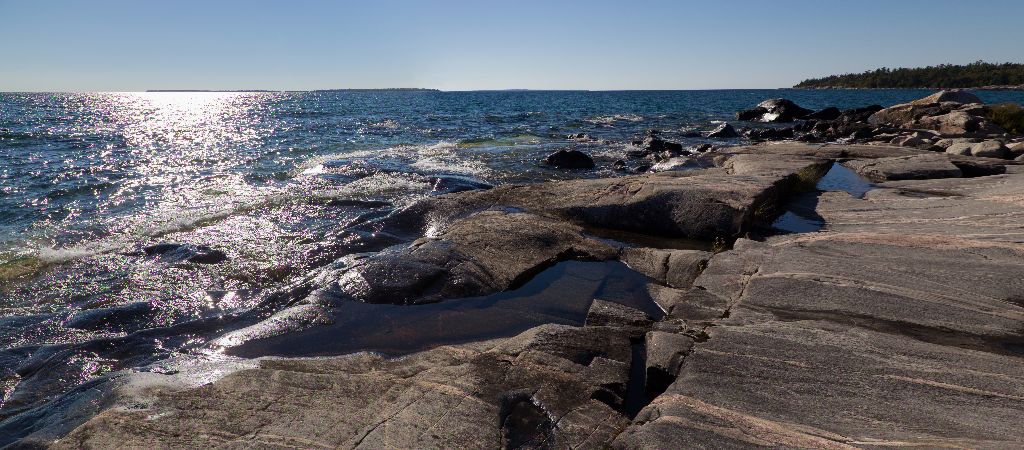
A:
88	180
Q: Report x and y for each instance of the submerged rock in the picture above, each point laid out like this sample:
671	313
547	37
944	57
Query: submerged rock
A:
569	159
198	254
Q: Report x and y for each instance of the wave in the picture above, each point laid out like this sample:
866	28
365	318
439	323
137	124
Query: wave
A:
612	119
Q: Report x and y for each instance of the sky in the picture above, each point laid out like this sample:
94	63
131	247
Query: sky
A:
467	45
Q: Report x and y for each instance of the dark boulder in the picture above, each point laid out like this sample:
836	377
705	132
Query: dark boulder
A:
752	114
781	110
770	134
774	110
569	159
859	114
723	131
654	144
830	113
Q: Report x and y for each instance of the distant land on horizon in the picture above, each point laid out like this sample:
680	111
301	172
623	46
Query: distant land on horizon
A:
977	75
275	90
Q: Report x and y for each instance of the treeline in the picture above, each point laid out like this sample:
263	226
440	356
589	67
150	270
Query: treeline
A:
977	74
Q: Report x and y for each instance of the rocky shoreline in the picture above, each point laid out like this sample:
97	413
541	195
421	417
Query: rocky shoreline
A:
899	323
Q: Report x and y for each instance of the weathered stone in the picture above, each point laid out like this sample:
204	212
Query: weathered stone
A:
693	304
915	167
986	149
665	354
605	313
676	268
472	396
909	303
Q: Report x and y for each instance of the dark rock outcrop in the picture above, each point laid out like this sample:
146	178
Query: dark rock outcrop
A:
569	159
830	113
774	110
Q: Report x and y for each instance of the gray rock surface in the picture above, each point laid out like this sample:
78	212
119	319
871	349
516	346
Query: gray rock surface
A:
899	324
865	334
905	167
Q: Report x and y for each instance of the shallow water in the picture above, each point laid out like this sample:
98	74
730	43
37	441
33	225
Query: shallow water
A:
88	181
800	215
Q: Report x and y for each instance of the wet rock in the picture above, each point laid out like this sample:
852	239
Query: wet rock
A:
676	163
916	167
174	253
723	131
487	252
619	165
123	318
569	159
654	144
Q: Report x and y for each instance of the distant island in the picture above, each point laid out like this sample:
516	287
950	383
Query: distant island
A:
978	75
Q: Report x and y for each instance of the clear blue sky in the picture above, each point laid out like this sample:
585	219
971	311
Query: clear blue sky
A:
458	45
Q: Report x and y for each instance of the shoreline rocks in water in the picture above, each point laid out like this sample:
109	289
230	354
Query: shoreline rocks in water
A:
907	301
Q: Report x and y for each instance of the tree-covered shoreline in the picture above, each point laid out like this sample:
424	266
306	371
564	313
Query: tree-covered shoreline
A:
974	75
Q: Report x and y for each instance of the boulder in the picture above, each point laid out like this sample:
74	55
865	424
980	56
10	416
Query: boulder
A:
986	149
654	144
723	131
569	159
941	112
773	110
954	95
859	114
1015	149
830	113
